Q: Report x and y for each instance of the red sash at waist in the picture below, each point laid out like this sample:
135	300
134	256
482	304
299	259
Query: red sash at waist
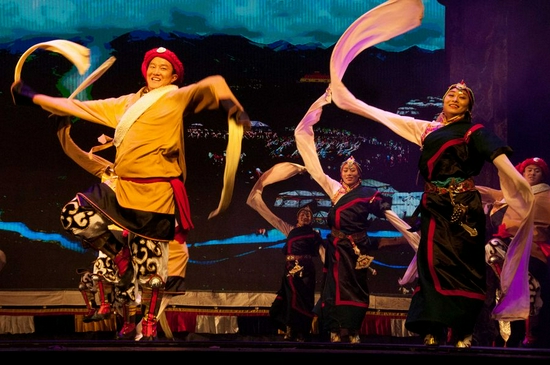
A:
182	202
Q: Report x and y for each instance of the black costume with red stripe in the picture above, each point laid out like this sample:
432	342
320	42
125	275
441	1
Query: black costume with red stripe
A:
451	261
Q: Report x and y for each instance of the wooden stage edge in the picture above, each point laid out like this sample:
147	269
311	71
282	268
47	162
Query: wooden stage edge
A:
218	325
209	299
202	312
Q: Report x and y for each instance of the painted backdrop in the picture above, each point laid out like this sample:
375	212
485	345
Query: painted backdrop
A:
275	57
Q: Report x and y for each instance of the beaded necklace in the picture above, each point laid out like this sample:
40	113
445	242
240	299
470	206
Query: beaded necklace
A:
345	188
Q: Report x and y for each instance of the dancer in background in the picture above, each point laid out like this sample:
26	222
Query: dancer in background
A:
533	332
150	201
292	309
345	293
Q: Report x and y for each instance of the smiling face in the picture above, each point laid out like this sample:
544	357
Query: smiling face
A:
160	73
350	174
304	217
456	102
533	174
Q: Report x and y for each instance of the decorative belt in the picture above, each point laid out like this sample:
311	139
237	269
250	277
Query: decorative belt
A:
459	210
298	257
363	261
453	187
354	236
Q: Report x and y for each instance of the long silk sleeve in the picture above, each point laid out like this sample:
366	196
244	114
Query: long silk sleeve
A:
380	24
514	302
305	142
412	237
279	172
74	52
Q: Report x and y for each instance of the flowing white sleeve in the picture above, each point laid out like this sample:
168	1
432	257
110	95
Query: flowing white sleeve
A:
74	52
514	302
279	172
489	195
380	24
305	142
412	237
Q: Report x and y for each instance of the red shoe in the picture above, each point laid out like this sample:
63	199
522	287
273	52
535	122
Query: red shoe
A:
148	329
104	312
128	331
90	315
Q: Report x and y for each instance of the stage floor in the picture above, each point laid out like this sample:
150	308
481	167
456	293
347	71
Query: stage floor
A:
235	347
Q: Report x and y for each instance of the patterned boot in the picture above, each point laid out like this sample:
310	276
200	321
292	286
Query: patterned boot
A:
87	289
128	330
152	292
105	310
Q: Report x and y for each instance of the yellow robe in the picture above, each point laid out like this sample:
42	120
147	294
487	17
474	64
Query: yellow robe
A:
153	146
